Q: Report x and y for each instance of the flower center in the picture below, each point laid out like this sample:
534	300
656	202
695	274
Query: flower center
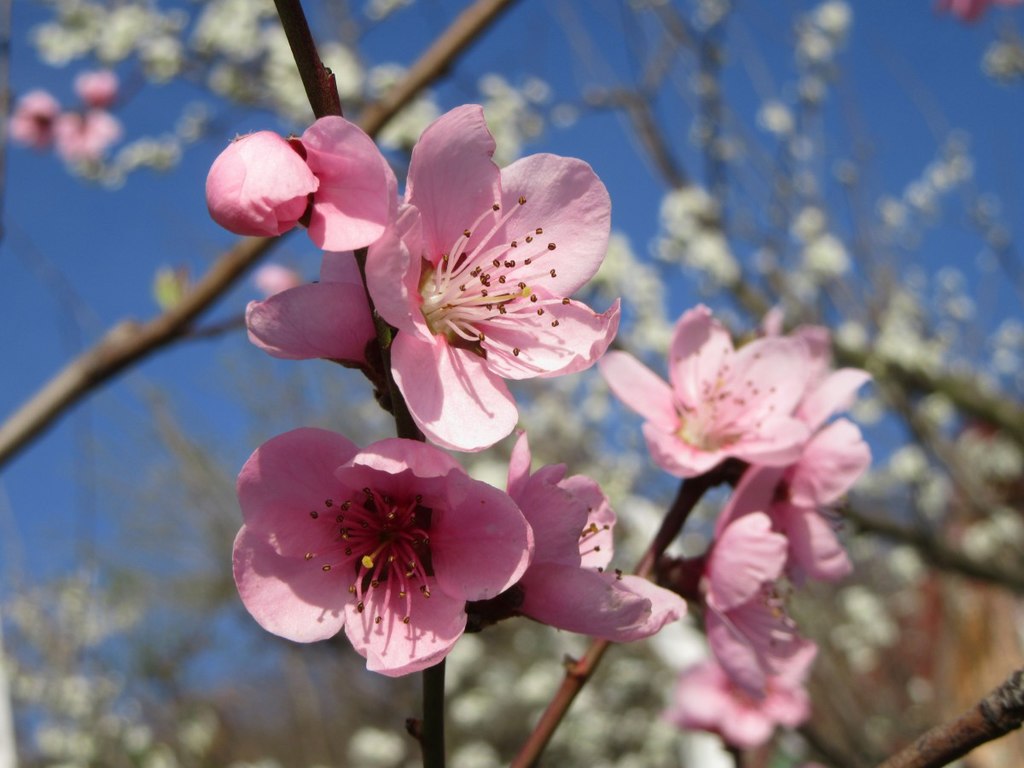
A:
472	290
725	414
384	543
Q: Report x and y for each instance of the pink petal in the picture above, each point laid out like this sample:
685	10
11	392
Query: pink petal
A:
595	604
394	648
779	441
640	388
754	493
596	547
259	186
836	393
352	205
831	463
452	179
328	320
285	478
676	457
814	550
557	518
393	269
700	348
735	652
454	399
283	593
567	338
340	267
746	556
565	204
395	455
769	378
519	466
480	543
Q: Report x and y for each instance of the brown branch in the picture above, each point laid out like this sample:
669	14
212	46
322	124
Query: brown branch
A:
999	713
577	673
317	79
128	341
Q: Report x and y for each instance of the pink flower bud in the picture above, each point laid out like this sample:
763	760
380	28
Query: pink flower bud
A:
259	185
33	118
274	278
97	89
83	137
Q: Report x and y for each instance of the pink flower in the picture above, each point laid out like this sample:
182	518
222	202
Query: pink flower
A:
97	89
274	278
971	10
746	622
476	274
85	137
264	185
707	699
389	542
33	119
721	402
566	585
329	319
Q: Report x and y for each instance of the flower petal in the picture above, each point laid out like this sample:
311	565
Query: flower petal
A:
328	320
596	545
640	388
393	268
565	204
745	556
814	550
452	179
394	648
700	348
836	393
453	397
480	543
557	518
596	604
355	197
830	464
519	466
283	593
567	338
287	477
676	457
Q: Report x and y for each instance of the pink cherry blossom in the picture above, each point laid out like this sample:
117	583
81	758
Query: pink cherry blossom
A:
566	585
264	185
329	319
476	273
274	278
707	699
86	136
971	10
721	402
747	626
32	121
389	542
97	89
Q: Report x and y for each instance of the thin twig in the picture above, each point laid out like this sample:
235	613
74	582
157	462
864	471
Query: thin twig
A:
996	715
317	79
129	342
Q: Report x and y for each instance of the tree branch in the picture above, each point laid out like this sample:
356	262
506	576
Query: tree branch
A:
994	716
129	342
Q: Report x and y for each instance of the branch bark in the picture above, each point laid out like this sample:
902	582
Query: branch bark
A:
130	341
999	713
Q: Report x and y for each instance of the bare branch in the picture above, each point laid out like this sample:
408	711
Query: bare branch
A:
996	715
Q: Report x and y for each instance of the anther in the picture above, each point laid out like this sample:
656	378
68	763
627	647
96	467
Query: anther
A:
529	238
367	561
378	620
540	311
309	555
554	323
533	297
501	278
360	607
329	503
325	568
405	619
552	273
514	244
496	262
515	351
314	514
528	262
522	200
565	302
495	207
539	230
466	233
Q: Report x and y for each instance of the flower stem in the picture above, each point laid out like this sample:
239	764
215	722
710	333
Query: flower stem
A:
432	732
579	672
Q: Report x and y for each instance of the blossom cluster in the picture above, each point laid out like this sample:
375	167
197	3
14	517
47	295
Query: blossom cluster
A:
78	135
770	405
473	270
